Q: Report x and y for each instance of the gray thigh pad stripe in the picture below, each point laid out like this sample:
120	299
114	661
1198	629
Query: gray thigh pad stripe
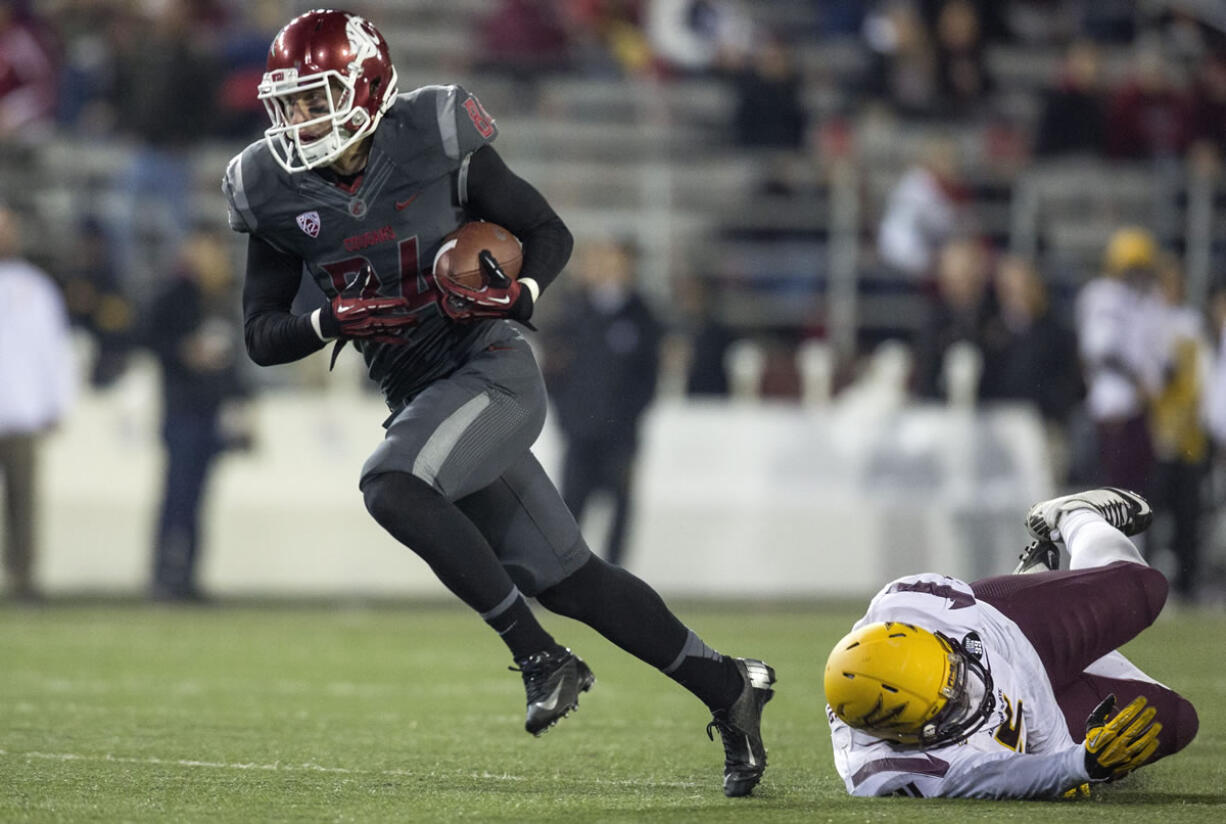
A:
433	455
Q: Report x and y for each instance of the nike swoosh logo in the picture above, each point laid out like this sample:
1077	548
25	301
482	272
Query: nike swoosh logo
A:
552	701
401	204
504	300
749	748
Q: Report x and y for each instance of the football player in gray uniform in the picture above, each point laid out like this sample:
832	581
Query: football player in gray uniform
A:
358	185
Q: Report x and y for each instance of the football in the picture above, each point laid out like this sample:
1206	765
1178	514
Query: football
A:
457	257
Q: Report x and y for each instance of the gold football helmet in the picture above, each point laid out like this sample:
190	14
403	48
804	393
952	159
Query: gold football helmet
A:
906	684
1130	247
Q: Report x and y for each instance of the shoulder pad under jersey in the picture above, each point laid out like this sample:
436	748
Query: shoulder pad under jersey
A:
445	121
253	179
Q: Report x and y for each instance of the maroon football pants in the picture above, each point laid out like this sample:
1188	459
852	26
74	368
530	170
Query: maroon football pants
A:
1073	618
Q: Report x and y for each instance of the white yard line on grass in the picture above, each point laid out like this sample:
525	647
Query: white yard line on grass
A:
318	768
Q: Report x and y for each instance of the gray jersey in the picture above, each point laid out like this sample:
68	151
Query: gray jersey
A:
393	219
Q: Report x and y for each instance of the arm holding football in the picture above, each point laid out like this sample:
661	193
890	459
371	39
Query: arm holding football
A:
495	193
484	289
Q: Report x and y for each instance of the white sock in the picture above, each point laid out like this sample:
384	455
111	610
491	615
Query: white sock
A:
1092	542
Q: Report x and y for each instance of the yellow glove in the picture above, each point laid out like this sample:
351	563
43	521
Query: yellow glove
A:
1117	747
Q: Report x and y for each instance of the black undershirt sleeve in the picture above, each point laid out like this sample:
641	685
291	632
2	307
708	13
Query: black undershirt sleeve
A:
273	333
498	195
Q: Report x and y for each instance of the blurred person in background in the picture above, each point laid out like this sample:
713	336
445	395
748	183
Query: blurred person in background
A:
1215	395
98	302
360	185
29	73
1074	112
902	65
1148	116
769	98
960	310
1031	353
607	37
699	349
1118	322
922	210
242	49
523	39
1208	102
37	385
697	37
601	371
165	99
963	80
192	329
1177	426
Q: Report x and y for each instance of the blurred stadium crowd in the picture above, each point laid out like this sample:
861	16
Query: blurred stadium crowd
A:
852	174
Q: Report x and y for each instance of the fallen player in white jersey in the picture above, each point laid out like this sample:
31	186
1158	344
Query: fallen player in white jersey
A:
1007	687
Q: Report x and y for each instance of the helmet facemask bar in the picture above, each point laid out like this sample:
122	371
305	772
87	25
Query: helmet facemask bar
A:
964	711
347	124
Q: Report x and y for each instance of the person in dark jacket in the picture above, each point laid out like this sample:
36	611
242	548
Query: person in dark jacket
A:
602	377
193	331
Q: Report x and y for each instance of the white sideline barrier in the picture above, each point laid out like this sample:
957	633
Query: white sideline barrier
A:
734	498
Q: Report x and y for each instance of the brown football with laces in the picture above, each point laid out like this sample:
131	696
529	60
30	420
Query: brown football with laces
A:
457	259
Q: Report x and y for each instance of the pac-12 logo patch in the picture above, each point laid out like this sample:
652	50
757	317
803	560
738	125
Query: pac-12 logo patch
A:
309	223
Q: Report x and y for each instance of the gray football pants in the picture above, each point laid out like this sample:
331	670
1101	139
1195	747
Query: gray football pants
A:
469	436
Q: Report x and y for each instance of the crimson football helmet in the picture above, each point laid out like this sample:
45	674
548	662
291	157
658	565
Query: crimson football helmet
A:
341	54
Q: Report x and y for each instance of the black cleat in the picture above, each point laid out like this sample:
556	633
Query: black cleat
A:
1126	511
553	682
1038	556
740	728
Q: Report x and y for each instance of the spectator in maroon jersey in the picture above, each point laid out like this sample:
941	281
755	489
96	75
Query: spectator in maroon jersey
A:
1148	116
29	72
524	38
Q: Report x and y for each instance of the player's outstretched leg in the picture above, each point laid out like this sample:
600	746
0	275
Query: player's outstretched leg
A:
628	612
740	727
1126	511
553	681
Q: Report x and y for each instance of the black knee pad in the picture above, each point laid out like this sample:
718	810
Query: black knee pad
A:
388	495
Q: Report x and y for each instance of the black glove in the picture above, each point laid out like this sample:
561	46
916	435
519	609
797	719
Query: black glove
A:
1117	747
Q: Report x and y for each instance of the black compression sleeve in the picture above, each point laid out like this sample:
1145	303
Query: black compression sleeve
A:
274	334
498	195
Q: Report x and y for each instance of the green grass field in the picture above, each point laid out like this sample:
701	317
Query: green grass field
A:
253	713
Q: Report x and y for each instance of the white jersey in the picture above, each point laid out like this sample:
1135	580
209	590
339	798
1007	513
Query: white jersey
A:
1024	750
1121	326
